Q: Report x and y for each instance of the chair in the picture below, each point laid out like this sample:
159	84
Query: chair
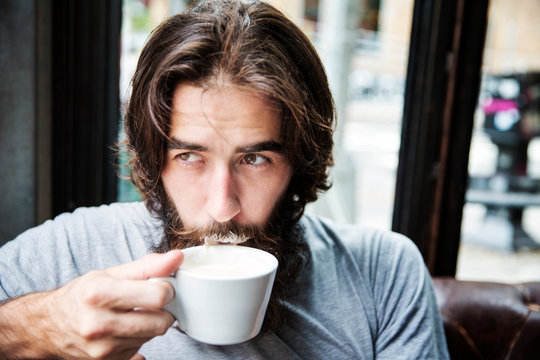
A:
484	320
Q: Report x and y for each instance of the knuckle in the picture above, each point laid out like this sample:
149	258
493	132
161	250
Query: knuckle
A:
95	297
163	328
94	274
100	351
95	294
91	329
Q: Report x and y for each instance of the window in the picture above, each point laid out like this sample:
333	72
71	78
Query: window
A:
500	229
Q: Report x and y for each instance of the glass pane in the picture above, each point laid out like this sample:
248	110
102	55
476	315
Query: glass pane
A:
364	45
368	80
500	229
139	18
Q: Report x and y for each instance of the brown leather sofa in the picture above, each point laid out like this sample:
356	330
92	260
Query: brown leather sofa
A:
491	321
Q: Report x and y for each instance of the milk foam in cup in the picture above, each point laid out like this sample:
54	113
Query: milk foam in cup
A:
222	292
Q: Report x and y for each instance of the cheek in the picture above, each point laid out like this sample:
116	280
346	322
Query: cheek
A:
170	182
182	190
265	195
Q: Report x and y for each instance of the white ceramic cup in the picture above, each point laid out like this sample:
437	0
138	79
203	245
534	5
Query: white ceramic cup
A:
222	292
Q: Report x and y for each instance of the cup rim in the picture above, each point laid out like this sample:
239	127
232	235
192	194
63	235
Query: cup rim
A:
272	268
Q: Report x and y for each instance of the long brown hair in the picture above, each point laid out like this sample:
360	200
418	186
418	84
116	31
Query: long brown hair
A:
246	44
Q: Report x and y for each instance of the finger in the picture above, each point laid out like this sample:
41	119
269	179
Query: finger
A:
119	294
130	353
134	325
138	356
126	355
113	348
152	265
142	324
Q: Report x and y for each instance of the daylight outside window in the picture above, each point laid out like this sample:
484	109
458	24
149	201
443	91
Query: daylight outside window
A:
501	227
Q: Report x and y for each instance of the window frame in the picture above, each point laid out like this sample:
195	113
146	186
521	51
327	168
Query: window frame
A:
442	87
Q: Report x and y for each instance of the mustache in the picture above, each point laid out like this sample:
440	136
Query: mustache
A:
254	236
220	230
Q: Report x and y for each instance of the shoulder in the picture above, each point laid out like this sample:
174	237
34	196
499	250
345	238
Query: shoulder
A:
380	248
86	239
106	222
101	221
385	261
127	211
122	224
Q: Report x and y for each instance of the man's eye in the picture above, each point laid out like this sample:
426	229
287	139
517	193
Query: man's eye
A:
188	157
254	159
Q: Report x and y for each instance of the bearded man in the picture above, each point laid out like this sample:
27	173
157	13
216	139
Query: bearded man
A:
229	129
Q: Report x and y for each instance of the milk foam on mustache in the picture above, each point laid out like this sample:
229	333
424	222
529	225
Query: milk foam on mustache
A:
230	239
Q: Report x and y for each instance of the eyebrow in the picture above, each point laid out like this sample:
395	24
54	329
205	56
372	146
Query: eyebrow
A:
174	143
262	146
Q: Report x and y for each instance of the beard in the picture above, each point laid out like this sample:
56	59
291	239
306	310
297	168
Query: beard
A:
280	236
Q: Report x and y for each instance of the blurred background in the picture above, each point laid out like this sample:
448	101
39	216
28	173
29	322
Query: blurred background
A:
365	46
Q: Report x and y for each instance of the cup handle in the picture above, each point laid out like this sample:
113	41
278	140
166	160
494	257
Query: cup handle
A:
172	304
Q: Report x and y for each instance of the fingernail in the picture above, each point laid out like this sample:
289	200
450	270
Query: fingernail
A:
170	294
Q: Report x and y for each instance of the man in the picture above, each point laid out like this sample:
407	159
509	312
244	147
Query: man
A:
229	128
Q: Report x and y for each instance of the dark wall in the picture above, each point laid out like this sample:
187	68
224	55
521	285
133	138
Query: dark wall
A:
59	108
24	115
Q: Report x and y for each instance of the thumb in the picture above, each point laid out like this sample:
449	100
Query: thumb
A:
152	265
138	356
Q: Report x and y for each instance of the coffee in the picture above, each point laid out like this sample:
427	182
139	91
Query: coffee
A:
217	270
226	262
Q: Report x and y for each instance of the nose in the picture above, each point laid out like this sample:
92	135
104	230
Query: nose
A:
222	202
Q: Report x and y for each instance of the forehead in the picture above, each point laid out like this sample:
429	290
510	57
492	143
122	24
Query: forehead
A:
229	109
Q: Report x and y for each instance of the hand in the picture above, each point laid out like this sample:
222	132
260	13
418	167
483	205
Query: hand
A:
106	314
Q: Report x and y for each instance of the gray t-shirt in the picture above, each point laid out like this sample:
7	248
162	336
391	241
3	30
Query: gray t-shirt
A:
364	294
